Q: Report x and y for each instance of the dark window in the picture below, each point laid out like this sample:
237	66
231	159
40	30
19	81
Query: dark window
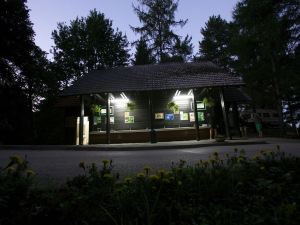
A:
266	115
275	114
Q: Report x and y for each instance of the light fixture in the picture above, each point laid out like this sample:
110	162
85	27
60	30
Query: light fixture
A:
179	97
119	101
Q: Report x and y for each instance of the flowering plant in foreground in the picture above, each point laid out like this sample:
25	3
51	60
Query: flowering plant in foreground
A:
230	189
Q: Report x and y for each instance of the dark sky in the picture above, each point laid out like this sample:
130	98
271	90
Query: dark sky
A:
45	14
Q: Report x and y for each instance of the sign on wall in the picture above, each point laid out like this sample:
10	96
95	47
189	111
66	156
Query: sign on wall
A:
200	105
192	117
159	116
201	117
111	110
112	120
169	116
97	120
129	119
184	116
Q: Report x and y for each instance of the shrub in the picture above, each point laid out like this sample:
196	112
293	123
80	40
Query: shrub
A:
220	190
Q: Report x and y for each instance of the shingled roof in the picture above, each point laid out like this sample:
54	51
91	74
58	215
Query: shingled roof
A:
153	77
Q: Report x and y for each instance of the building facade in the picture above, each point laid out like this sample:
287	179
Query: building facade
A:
153	103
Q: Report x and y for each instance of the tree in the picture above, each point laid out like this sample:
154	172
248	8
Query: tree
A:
143	54
87	44
16	39
266	35
158	20
216	41
25	78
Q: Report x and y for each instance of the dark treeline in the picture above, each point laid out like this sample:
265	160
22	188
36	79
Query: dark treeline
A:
261	44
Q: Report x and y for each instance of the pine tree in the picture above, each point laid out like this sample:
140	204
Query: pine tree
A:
143	54
158	20
216	41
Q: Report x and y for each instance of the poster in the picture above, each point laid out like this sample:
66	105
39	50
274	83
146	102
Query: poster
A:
169	117
97	120
201	116
192	117
103	111
129	119
200	105
184	116
111	110
159	116
112	120
126	114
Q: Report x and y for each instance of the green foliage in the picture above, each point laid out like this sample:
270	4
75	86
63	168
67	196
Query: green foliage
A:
143	54
173	107
16	180
216	41
88	43
96	109
24	71
130	106
230	189
158	19
265	42
209	102
16	39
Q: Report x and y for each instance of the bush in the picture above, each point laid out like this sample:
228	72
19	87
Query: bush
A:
221	190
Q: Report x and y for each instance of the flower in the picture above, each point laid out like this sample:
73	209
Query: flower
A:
16	159
127	180
140	175
162	173
30	173
105	162
108	176
154	177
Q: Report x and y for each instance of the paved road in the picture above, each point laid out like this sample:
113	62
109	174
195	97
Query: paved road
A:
59	166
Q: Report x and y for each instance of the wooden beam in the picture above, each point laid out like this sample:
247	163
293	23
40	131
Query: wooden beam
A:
196	116
153	138
81	126
107	118
225	118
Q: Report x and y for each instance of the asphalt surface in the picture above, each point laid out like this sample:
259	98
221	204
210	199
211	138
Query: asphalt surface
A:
57	166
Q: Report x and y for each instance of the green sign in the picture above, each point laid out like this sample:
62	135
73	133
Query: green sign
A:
201	116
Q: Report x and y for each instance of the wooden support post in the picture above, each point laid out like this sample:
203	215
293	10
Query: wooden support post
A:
225	118
81	126
107	118
153	138
196	116
236	118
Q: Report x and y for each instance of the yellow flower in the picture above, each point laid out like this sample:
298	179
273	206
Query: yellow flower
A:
105	162
11	169
127	180
108	176
162	173
30	173
154	177
140	175
16	159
